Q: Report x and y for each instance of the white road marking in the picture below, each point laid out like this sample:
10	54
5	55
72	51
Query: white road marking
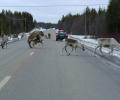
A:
31	53
4	81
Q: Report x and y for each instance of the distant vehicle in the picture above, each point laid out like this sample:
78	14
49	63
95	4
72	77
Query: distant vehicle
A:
61	35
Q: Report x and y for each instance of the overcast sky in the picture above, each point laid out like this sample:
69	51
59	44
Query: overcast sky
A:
51	10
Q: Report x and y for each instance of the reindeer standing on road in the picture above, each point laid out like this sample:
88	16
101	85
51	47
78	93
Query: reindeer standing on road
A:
35	38
4	41
110	43
73	44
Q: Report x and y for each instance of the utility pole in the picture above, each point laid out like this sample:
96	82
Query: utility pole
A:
85	23
1	27
25	25
10	27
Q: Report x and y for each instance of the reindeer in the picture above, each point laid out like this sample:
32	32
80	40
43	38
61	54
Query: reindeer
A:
4	41
35	38
108	43
73	44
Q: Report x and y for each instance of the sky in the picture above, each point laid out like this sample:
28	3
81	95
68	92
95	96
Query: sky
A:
51	10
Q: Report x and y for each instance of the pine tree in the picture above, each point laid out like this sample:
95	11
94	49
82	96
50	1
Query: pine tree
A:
113	16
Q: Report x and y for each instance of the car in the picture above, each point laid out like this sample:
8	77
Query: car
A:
61	35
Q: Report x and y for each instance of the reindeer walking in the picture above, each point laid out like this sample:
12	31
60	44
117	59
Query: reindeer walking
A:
110	43
73	44
4	41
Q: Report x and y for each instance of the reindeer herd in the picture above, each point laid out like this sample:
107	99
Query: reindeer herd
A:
109	43
72	44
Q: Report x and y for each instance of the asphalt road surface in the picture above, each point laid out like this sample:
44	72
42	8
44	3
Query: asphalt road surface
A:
44	73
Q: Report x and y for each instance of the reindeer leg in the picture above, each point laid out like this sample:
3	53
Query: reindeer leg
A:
83	48
101	50
63	49
6	45
96	49
66	50
71	51
75	49
111	50
41	42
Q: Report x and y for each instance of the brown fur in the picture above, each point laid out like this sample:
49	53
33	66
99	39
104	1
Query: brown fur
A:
73	44
34	36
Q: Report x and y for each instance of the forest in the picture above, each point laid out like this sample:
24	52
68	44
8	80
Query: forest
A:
96	23
15	22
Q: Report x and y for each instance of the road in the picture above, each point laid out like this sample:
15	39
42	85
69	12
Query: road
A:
43	73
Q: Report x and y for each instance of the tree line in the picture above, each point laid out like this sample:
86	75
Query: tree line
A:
46	25
90	22
101	23
15	22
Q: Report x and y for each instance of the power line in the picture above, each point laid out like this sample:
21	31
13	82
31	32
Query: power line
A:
44	6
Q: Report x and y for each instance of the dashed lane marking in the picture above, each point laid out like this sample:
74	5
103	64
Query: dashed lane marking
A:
31	53
4	81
